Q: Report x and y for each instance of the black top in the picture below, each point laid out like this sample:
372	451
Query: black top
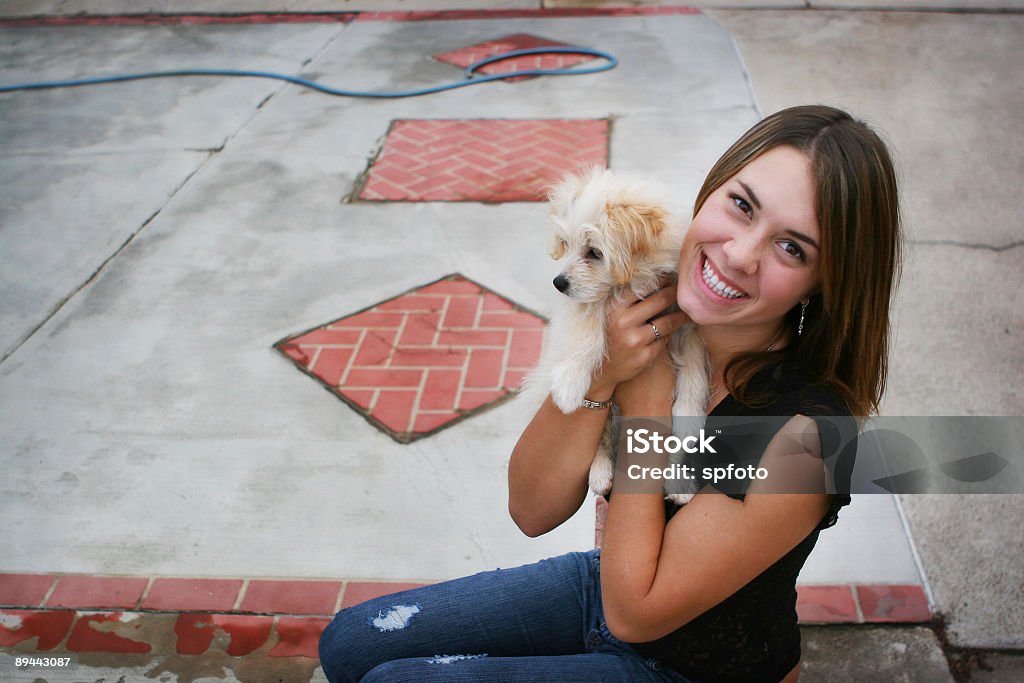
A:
752	635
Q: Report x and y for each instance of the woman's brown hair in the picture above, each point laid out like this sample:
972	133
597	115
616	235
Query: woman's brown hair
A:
845	339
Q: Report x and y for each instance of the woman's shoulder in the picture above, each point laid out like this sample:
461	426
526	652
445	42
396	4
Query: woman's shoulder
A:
796	391
792	389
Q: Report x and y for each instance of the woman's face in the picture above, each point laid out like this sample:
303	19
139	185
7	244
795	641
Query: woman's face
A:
752	252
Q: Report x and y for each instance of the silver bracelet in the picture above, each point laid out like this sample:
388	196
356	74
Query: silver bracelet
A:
596	405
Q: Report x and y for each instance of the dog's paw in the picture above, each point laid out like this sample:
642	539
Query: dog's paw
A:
601	472
567	390
679	498
565	400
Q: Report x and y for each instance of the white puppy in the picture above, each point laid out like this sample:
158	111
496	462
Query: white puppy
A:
615	236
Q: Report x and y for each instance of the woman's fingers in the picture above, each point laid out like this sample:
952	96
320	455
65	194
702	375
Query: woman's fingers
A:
632	344
657	302
638	318
669	323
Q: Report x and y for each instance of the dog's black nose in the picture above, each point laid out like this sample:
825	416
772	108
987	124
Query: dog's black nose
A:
561	283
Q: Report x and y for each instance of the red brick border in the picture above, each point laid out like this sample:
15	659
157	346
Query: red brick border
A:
848	604
337	17
288	616
142	632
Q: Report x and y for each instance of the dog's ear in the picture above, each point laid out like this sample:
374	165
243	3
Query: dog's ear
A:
634	230
558	247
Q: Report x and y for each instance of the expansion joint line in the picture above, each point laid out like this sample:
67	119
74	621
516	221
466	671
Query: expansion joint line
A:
96	273
969	245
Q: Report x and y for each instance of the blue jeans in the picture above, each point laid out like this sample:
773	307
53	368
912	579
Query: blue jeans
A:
539	622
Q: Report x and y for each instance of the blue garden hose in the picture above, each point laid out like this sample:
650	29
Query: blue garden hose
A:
470	74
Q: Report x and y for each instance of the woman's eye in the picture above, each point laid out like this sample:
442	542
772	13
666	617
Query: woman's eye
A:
594	254
742	204
794	250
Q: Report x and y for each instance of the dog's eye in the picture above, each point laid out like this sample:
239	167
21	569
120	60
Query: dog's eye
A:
594	254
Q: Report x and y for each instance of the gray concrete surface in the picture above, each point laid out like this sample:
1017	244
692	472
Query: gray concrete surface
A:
947	91
15	8
971	550
62	7
865	653
112	160
1000	668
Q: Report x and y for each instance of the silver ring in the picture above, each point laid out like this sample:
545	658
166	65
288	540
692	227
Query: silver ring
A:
657	332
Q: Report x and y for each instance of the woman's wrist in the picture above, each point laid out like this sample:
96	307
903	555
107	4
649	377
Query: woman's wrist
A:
645	408
600	392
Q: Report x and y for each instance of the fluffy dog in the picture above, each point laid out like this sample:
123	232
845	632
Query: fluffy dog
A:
615	236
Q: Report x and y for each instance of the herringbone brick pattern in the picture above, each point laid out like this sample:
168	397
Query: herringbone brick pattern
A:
465	56
420	361
485	160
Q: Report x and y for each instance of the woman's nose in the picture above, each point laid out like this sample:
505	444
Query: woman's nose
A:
743	252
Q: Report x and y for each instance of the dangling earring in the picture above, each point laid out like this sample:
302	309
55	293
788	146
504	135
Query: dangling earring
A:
803	310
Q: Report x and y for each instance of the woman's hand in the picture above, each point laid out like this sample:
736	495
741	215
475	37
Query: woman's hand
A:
650	392
633	347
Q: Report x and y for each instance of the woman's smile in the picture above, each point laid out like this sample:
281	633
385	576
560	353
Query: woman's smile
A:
717	285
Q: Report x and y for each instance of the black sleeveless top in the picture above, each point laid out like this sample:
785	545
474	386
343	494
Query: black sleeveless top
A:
752	636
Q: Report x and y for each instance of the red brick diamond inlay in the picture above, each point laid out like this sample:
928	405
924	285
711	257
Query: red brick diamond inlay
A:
421	361
465	56
485	160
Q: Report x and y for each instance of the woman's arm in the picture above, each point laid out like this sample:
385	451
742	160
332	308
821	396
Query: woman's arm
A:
657	577
547	474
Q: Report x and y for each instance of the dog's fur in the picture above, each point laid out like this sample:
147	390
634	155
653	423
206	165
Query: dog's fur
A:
615	236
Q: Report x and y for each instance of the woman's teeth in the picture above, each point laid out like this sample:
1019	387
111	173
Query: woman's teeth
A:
718	286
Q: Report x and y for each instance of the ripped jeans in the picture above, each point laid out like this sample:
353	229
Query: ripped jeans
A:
539	622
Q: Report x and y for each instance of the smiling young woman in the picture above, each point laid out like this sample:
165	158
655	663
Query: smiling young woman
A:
788	270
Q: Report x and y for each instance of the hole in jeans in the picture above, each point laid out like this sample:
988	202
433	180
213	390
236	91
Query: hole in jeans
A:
394	619
449	659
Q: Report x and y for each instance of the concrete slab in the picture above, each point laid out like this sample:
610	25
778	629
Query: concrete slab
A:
973	552
87	168
919	5
869	545
21	8
1000	668
859	653
944	89
196	113
116	194
59	7
164	664
601	4
180	443
952	332
878	5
